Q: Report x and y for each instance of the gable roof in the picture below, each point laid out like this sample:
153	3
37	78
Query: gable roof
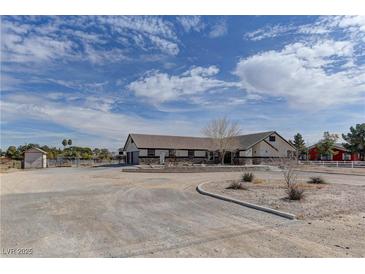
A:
246	141
242	142
37	150
338	146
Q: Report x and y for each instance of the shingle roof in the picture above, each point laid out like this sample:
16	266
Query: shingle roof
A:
171	142
336	145
180	142
248	140
36	148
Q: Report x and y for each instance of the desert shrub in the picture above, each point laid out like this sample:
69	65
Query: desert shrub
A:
316	180
295	192
236	185
247	177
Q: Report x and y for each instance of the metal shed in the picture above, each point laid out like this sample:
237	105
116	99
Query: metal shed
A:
35	158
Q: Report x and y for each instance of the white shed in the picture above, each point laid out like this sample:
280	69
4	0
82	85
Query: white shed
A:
35	158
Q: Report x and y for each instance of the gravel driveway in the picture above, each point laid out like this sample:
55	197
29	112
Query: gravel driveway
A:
103	212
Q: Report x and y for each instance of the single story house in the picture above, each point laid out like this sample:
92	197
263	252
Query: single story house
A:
341	154
245	149
35	158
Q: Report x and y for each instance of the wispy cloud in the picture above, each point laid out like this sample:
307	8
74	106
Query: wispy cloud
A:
219	29
191	23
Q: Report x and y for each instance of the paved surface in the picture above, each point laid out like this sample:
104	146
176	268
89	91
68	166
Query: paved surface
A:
102	212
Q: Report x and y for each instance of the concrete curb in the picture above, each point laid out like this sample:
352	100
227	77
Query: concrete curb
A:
254	206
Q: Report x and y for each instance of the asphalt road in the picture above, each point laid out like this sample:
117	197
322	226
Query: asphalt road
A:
107	213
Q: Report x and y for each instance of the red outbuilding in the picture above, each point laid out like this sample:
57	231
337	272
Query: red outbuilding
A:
341	154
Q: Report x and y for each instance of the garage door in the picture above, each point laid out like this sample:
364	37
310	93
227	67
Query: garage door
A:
135	158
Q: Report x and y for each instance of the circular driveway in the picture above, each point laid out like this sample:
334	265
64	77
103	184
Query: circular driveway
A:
108	213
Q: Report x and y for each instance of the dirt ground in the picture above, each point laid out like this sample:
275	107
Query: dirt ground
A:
338	170
103	212
319	201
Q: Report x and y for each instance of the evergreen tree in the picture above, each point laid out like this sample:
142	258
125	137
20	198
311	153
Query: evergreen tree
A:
299	144
356	140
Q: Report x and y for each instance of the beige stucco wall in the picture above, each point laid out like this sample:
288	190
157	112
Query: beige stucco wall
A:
262	149
246	153
130	146
181	153
281	145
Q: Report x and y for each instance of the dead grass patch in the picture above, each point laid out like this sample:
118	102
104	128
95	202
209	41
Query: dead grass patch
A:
257	181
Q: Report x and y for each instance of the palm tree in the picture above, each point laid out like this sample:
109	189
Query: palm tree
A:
64	143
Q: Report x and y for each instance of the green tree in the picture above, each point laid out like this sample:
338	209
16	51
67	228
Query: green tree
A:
299	144
96	152
355	140
104	154
326	145
13	153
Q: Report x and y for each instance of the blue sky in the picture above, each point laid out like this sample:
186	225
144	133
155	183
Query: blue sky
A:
96	79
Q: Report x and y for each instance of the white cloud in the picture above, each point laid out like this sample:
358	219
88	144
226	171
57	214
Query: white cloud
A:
83	38
139	28
165	45
161	87
191	23
300	73
350	26
219	29
85	119
352	21
268	32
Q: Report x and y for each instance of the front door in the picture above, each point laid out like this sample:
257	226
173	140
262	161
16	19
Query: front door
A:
228	158
162	158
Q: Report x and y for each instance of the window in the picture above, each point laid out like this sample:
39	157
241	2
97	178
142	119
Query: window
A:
191	153
346	156
272	138
150	152
172	152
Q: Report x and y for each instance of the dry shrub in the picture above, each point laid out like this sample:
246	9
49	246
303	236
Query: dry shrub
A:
247	177
236	185
317	180
295	192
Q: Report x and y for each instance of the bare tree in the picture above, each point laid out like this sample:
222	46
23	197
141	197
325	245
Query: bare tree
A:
294	190
222	131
